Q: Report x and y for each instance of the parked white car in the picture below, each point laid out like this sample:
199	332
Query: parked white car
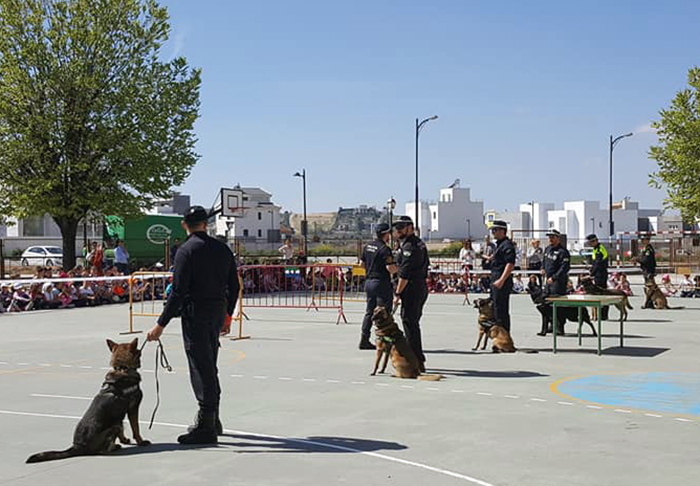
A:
43	255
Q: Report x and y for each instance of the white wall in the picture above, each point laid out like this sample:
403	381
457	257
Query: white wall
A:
454	208
257	226
424	217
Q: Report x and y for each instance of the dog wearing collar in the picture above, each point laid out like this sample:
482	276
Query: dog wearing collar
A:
102	423
486	320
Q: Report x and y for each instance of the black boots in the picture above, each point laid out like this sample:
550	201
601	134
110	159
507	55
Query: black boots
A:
366	344
205	430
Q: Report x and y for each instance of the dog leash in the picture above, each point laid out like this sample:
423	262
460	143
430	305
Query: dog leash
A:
161	362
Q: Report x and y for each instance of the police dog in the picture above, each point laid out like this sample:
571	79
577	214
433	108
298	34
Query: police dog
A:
502	342
486	320
656	296
392	343
102	424
545	309
592	289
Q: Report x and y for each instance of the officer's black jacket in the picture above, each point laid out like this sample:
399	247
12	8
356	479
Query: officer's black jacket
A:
413	259
647	259
502	256
557	262
599	265
205	276
375	258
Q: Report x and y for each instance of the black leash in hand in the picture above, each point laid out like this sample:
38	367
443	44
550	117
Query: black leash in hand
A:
161	362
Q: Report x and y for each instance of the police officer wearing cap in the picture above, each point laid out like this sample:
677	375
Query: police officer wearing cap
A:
599	267
502	264
205	289
378	262
412	290
557	262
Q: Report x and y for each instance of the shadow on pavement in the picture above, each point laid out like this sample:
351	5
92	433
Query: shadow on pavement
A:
486	374
254	444
633	352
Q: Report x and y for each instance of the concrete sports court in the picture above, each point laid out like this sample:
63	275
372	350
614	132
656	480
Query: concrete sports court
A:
300	407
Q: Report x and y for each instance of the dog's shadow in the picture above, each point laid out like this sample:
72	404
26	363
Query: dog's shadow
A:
487	374
255	444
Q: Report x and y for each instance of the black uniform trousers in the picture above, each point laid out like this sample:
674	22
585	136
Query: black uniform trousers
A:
603	283
200	333
500	299
413	299
379	293
557	289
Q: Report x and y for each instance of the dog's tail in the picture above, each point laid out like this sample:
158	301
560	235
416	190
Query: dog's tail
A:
627	302
53	455
430	377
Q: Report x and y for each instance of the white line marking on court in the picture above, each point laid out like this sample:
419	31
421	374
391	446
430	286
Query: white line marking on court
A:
381	384
433	389
308	379
357	382
3	362
594	407
653	415
619	410
444	472
86	367
45	364
39	395
284	378
236	376
147	371
538	400
332	381
106	368
457	391
406	386
565	403
511	396
66	366
484	394
260	377
683	420
22	364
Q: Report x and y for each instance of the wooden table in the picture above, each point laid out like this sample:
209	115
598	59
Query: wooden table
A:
580	301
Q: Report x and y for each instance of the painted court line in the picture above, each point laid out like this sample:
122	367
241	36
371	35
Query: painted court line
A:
457	391
564	403
682	420
484	394
538	400
653	415
41	395
619	410
260	377
511	396
308	379
357	382
284	378
381	384
332	381
376	455
236	376
594	407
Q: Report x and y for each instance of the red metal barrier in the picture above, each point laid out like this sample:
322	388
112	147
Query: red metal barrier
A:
293	287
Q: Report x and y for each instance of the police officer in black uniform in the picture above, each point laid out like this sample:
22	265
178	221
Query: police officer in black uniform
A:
647	262
205	289
378	261
599	268
412	289
557	262
502	264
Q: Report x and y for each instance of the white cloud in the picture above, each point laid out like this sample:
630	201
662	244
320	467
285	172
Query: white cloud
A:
646	128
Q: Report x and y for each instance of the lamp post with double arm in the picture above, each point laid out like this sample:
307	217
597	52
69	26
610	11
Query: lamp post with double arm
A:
419	125
304	223
613	142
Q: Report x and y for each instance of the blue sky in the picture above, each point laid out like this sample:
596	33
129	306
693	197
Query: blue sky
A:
527	95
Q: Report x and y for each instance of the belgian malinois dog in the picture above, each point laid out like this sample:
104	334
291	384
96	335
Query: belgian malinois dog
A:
102	424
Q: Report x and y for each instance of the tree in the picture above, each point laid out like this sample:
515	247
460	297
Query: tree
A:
678	154
91	118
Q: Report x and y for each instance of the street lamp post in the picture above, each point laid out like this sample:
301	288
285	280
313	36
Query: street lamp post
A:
592	225
419	125
304	223
613	142
391	205
469	229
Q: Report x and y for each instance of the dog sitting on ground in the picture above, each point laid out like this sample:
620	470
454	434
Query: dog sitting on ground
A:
486	320
656	296
501	339
591	288
545	309
102	424
392	343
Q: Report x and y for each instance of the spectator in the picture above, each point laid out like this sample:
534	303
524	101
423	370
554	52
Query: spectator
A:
51	296
173	250
697	286
5	296
535	257
624	285
467	255
667	287
95	259
287	251
518	256
518	285
487	253
121	258
20	298
687	286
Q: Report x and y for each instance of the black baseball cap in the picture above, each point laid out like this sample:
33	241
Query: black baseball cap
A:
402	222
499	224
196	214
382	229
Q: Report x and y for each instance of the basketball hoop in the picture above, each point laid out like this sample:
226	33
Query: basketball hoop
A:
232	203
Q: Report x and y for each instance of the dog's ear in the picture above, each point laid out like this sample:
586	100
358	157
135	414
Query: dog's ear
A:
134	345
111	344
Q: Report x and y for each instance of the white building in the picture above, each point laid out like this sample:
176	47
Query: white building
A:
260	221
454	216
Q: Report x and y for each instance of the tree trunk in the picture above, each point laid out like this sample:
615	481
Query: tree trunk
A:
69	230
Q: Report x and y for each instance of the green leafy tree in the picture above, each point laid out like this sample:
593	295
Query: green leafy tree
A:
678	154
92	120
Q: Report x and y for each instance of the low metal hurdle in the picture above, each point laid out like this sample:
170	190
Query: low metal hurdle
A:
293	287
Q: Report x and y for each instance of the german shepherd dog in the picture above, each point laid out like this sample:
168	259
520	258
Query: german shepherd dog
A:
502	342
656	296
485	321
545	309
392	343
102	424
592	289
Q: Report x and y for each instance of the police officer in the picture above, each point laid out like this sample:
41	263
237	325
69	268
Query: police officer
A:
378	261
557	261
647	262
205	289
411	290
599	267
502	264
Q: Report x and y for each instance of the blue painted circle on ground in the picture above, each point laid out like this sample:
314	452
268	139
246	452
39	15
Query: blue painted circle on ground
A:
677	393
